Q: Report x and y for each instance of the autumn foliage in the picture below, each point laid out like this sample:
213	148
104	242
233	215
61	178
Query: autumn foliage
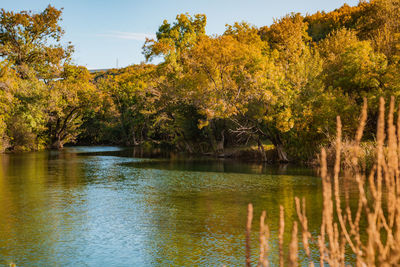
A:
279	86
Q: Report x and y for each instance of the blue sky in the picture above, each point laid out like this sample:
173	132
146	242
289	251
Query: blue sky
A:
104	31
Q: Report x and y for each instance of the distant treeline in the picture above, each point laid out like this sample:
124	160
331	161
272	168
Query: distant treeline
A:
284	83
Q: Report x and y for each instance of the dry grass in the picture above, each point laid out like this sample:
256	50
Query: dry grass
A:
364	152
378	203
351	149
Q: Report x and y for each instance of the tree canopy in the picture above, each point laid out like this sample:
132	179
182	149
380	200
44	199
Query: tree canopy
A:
281	84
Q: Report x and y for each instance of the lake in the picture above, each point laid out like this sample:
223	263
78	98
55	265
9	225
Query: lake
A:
101	206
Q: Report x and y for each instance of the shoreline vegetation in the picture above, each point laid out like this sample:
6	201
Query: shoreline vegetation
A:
267	93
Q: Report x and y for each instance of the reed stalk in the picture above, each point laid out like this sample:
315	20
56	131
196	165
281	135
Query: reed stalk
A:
378	203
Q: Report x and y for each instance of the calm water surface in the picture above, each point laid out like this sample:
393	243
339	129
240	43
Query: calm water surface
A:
100	206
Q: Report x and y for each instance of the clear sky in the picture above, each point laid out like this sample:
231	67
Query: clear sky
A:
103	31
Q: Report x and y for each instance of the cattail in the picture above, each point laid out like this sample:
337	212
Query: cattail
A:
392	140
324	168
248	232
293	248
327	212
336	185
380	136
301	213
281	232
363	121
359	133
264	236
398	134
338	146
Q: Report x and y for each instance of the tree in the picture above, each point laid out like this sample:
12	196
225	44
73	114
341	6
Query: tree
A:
134	96
236	79
352	65
380	23
175	38
69	97
32	40
287	35
24	116
174	109
6	100
321	24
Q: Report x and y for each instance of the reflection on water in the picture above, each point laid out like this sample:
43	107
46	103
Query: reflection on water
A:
100	206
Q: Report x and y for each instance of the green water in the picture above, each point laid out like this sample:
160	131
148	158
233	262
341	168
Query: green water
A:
100	206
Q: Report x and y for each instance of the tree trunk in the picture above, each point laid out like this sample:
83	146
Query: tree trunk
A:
188	147
135	143
57	144
221	143
211	136
261	150
282	156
